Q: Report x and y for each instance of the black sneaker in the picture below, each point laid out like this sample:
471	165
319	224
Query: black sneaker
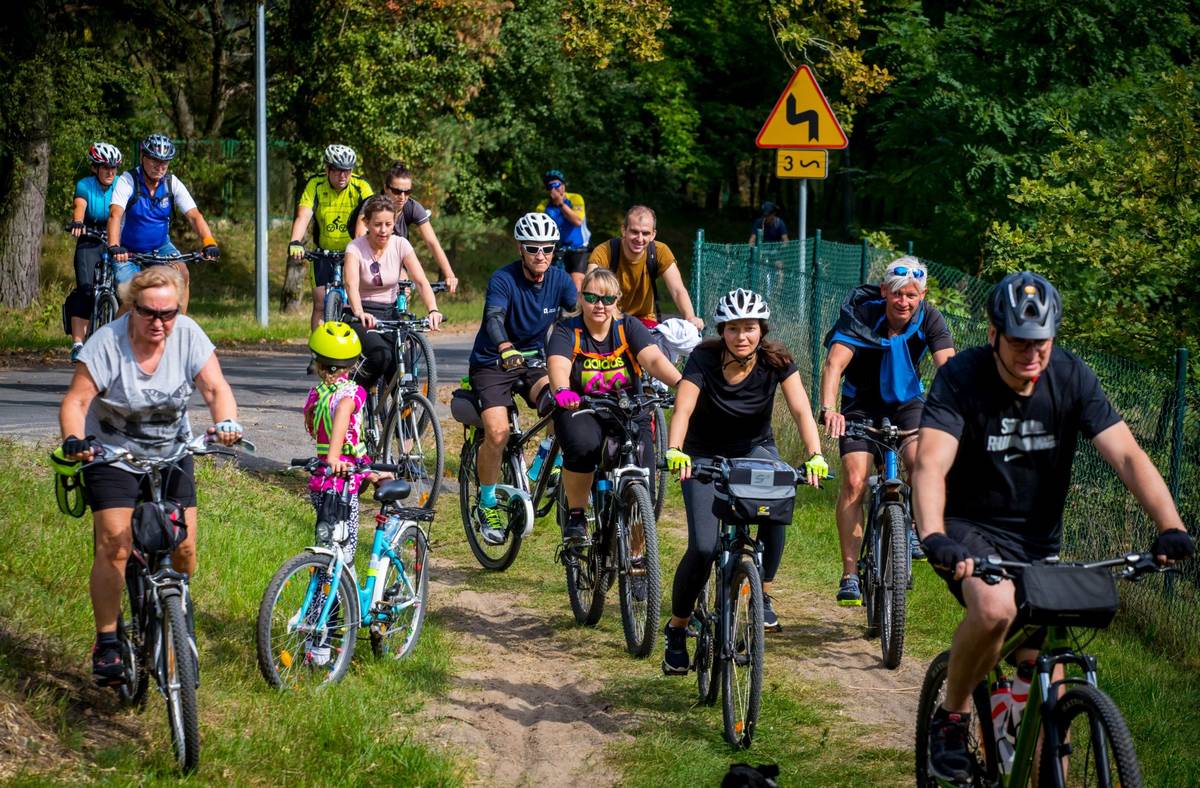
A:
914	546
948	756
575	531
107	668
770	620
675	659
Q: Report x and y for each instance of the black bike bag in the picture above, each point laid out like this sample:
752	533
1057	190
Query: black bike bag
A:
464	407
1070	596
759	491
158	527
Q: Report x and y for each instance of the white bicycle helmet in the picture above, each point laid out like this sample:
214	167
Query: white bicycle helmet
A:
741	304
102	154
159	146
536	227
340	157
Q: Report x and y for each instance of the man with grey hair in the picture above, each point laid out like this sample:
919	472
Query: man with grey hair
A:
875	350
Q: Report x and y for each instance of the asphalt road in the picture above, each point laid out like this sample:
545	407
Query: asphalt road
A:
270	388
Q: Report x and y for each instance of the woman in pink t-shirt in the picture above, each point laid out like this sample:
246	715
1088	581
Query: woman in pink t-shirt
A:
375	264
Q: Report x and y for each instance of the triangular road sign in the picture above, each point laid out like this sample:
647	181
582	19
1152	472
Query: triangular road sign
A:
802	118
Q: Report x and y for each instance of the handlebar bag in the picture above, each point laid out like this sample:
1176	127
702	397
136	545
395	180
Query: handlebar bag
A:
1071	596
758	491
159	527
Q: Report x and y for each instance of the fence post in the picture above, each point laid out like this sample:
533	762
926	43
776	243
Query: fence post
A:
814	323
864	266
1181	365
755	257
910	248
697	264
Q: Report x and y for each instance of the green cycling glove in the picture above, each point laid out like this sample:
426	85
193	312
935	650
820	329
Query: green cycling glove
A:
816	466
677	460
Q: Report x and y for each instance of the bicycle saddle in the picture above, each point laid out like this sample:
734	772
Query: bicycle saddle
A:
393	490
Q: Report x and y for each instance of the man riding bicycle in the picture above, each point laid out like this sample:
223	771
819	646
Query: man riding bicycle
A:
998	437
875	350
332	199
89	212
139	216
569	213
523	300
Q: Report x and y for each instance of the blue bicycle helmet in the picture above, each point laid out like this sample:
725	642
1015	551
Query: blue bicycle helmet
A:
1025	306
159	146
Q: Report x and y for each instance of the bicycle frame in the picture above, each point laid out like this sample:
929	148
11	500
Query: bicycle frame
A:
889	489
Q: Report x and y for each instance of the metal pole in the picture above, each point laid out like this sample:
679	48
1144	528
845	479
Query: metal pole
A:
803	218
1181	369
260	155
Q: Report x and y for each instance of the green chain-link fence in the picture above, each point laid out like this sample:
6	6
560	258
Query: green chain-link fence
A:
805	285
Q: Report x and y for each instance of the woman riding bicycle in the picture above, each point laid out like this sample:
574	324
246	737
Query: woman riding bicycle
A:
374	265
729	387
89	212
596	352
130	391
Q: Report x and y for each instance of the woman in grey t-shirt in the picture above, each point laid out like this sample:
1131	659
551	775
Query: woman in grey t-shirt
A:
130	391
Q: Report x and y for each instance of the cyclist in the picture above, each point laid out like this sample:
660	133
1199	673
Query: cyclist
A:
89	211
130	391
139	214
596	352
774	230
522	302
410	213
638	261
875	349
998	437
333	199
375	263
723	408
569	213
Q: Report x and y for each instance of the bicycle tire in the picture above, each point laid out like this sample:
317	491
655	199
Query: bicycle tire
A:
104	310
421	468
708	667
291	651
1103	726
742	677
658	476
585	568
893	591
334	303
129	632
980	744
408	598
639	617
495	558
179	670
868	573
421	363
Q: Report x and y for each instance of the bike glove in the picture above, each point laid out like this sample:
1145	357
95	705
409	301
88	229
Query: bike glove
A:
817	466
295	250
677	460
228	425
117	249
211	252
944	552
565	398
511	359
73	226
1175	544
75	445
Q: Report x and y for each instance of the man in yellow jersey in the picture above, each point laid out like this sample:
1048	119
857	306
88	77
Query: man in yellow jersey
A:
638	261
568	212
332	198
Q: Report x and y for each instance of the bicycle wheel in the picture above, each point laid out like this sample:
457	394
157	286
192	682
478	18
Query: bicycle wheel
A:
405	595
497	558
658	476
335	300
179	671
743	674
639	583
708	667
129	632
893	586
585	568
1095	742
868	575
104	310
980	745
420	453
291	653
421	363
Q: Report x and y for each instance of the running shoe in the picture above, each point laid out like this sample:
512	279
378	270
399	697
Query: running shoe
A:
492	526
948	756
76	349
914	546
850	592
107	668
770	620
675	659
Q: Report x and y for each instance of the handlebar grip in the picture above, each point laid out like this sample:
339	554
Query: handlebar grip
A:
300	461
388	467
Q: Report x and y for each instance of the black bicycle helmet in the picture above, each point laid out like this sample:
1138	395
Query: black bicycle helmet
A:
1025	306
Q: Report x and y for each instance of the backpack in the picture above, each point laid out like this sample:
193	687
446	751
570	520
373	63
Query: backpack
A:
351	220
614	261
139	188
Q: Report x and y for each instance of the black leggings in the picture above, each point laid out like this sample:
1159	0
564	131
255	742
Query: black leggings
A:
582	439
704	540
379	361
88	253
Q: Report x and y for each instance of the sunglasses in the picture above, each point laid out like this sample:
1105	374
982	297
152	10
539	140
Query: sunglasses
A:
904	270
165	315
553	185
399	192
376	277
533	249
607	300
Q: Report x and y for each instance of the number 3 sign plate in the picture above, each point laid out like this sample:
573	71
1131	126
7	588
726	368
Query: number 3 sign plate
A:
802	164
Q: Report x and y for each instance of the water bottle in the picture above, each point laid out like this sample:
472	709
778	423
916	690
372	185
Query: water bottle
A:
1001	714
391	529
542	451
603	489
1020	694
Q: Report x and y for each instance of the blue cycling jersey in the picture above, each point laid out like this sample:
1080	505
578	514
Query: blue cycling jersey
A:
530	309
97	198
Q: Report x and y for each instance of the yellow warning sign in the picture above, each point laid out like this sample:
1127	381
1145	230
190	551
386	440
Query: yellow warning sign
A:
802	164
802	118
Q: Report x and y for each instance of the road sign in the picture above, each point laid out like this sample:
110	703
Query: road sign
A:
802	118
802	164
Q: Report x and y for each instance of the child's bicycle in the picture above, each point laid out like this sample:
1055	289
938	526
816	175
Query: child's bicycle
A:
311	612
1086	741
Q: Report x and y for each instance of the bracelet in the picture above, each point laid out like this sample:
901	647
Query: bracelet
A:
431	311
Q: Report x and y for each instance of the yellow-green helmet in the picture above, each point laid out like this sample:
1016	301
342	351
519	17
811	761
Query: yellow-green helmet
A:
335	343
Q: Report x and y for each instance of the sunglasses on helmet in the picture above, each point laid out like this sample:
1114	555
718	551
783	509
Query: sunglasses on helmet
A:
904	270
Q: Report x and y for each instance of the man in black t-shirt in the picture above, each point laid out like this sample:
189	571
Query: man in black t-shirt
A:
875	352
998	436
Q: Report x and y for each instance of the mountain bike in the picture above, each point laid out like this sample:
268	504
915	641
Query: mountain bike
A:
312	609
658	431
513	492
155	626
335	291
104	285
623	538
885	559
1085	736
728	619
419	358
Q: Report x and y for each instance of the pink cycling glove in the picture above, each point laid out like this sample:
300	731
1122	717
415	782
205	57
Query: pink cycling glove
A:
566	398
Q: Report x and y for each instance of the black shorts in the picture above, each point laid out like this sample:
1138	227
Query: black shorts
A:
980	542
110	487
906	417
494	386
323	270
575	261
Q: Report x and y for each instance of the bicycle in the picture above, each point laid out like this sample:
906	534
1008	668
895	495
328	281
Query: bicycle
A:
729	633
1081	722
335	291
658	430
513	492
885	558
154	625
104	285
313	608
622	525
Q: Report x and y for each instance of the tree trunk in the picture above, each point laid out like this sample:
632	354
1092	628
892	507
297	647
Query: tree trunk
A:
23	220
294	280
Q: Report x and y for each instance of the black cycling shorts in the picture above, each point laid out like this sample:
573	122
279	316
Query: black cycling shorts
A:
323	270
110	487
906	417
575	261
980	542
494	386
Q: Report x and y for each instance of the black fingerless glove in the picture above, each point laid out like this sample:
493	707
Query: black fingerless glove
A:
1175	544
75	445
211	252
944	552
117	249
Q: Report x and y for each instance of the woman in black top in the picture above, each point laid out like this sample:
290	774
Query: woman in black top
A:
723	407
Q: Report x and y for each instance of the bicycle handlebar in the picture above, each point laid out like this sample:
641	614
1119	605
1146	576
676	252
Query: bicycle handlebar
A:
886	431
88	232
324	254
992	569
627	403
205	443
314	464
150	258
718	470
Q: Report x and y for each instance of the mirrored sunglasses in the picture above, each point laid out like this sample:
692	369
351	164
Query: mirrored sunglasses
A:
554	184
904	270
607	300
